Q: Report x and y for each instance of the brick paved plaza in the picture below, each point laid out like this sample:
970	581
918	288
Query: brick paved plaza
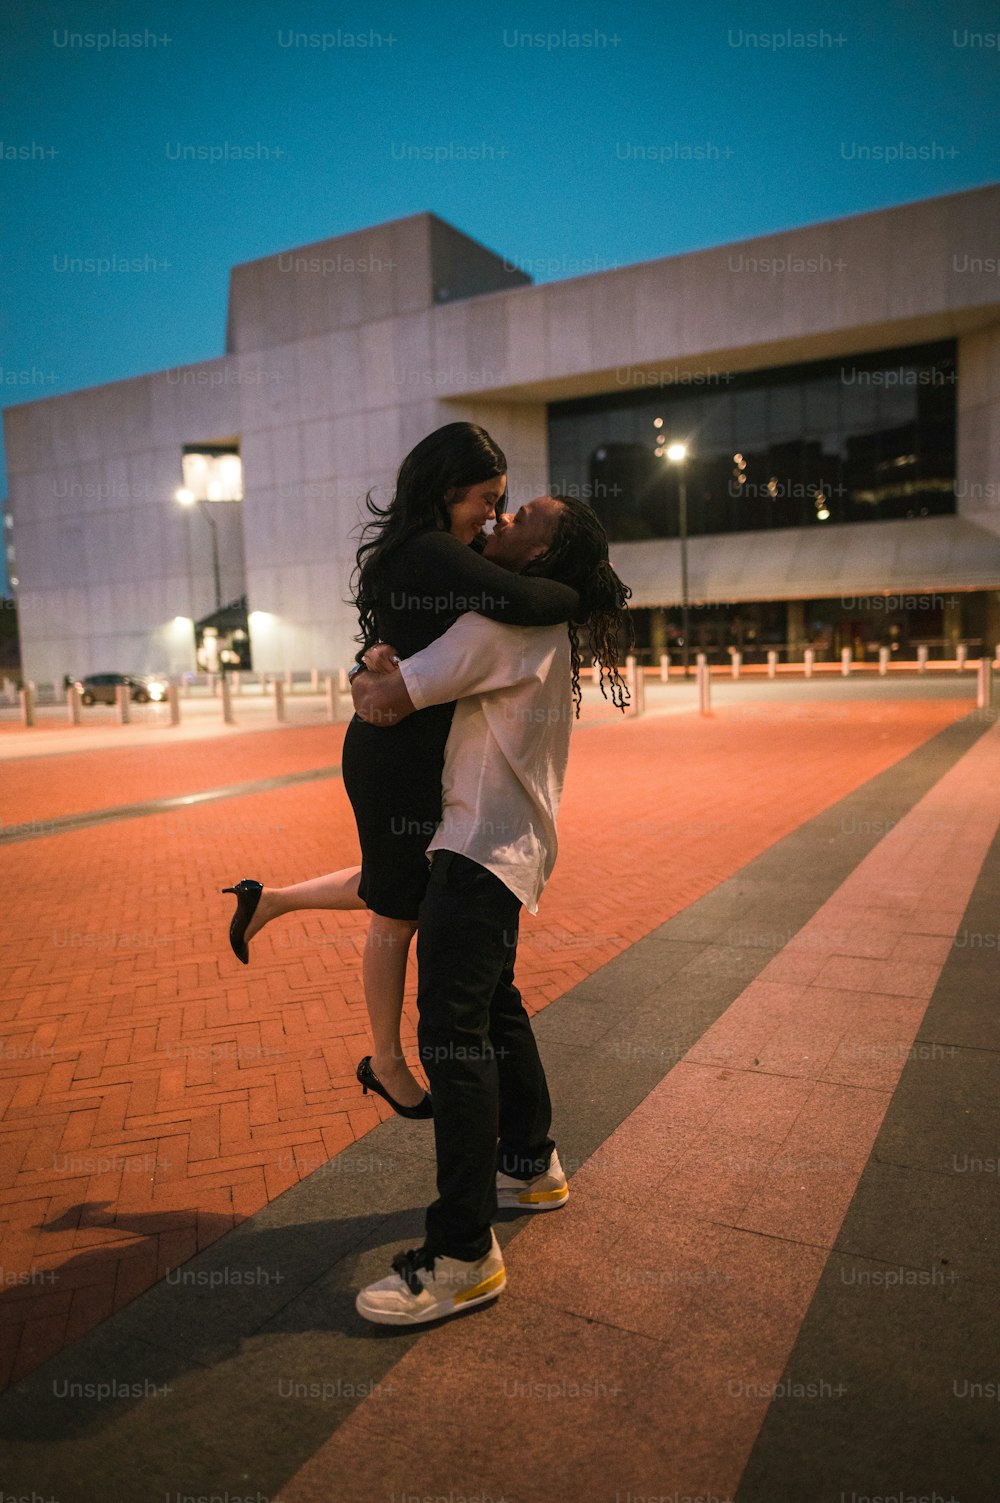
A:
771	1036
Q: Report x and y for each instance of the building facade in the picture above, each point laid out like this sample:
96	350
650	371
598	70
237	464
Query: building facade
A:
837	388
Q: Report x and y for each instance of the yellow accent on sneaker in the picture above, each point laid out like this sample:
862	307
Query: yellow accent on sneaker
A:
545	1192
495	1280
534	1196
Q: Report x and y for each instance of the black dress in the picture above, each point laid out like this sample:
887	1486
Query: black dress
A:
392	774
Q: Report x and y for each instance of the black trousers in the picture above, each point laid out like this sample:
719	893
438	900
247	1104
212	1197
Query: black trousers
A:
477	1047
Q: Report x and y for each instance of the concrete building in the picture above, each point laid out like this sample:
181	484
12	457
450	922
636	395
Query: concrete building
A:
838	387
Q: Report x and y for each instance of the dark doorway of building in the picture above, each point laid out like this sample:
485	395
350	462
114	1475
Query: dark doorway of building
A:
222	640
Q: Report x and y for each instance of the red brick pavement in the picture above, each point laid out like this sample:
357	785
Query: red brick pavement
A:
153	1092
67	783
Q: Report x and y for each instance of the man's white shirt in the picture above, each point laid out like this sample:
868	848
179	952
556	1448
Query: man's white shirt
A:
506	756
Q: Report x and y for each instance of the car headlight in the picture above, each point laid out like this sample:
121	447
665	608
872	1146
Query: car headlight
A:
156	689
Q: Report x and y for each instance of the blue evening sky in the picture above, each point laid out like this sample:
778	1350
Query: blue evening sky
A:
779	128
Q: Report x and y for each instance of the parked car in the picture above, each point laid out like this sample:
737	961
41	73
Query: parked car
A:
100	688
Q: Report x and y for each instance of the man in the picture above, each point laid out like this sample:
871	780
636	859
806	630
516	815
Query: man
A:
494	850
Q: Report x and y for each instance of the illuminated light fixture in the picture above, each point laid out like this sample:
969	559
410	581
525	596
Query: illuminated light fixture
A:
823	514
676	453
657	422
212	474
184	496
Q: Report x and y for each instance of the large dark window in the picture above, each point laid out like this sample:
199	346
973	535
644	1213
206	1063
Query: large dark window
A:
863	438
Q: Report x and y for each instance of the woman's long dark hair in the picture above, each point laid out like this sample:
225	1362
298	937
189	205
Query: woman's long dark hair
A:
578	556
451	458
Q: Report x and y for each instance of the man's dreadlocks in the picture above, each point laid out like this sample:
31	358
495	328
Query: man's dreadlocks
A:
578	556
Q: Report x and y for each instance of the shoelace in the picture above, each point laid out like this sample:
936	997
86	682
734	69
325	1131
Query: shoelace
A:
407	1263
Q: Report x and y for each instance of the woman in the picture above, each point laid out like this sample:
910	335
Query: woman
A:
417	572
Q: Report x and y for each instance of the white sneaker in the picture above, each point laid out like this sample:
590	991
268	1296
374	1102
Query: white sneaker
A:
423	1287
543	1193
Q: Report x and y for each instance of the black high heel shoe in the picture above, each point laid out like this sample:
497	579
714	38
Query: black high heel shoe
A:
247	897
369	1081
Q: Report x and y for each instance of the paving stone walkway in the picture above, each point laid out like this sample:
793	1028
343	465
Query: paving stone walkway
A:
751	921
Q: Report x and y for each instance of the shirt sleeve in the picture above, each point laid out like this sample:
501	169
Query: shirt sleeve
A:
472	657
462	580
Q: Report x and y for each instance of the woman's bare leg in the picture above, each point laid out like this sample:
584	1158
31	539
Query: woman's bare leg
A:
384	967
335	890
384	975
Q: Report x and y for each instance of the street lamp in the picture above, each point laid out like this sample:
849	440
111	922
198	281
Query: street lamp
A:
188	498
676	453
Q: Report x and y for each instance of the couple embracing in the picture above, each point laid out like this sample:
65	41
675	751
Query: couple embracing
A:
464	690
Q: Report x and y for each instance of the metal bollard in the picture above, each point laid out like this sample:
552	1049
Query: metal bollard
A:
27	698
236	679
961	653
737	663
883	661
630	679
227	701
808	658
279	699
772	663
210	684
342	682
984	684
73	705
922	659
845	661
289	676
595	672
173	704
664	668
636	686
704	684
314	680
704	679
332	699
122	704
